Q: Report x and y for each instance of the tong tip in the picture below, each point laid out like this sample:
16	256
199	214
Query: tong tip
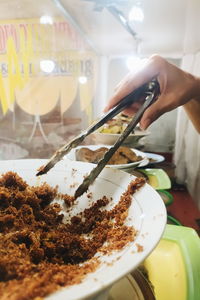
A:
44	169
80	191
41	172
82	188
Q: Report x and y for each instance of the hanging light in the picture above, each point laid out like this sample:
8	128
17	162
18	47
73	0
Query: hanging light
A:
47	66
82	79
46	19
136	14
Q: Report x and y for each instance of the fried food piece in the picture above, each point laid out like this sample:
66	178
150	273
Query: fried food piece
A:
129	154
88	155
123	155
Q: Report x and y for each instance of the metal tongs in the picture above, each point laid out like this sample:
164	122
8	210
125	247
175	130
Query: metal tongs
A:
149	92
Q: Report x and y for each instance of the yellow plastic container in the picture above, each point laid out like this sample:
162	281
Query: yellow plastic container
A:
174	265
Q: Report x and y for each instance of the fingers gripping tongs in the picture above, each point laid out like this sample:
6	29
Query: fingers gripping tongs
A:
149	92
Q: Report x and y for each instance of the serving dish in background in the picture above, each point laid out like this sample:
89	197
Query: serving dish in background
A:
154	158
125	167
110	132
147	214
132	140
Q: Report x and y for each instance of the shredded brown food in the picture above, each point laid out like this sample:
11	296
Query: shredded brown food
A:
39	254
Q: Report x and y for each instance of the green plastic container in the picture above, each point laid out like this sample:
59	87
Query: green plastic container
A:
189	244
158	178
166	196
174	265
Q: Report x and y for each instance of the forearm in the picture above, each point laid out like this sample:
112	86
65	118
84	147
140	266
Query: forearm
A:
193	111
192	108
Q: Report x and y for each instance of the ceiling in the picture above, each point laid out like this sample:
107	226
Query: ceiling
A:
162	30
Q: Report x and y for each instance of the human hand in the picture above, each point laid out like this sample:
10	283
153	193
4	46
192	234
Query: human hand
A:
176	88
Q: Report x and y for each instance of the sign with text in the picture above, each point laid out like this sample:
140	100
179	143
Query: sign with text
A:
47	77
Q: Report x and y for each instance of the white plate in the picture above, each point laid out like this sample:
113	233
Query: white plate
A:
144	161
110	138
147	214
156	157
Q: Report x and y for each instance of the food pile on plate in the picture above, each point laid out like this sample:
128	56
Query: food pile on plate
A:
39	252
116	125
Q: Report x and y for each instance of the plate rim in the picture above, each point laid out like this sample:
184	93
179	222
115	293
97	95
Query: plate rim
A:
160	157
137	133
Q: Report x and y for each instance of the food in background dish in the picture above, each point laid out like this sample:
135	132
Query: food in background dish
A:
117	125
123	155
93	156
152	160
40	254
